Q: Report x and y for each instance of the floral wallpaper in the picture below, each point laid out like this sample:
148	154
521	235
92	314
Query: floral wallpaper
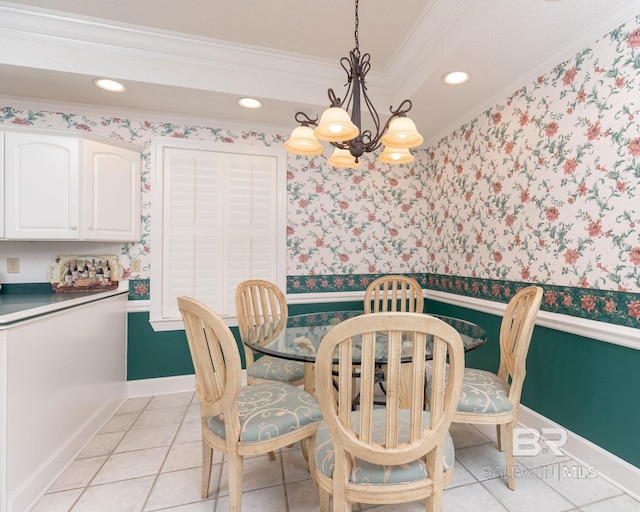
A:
545	187
541	188
367	220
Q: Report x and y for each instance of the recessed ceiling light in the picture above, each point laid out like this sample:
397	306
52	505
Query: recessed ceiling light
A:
456	77
109	85
249	102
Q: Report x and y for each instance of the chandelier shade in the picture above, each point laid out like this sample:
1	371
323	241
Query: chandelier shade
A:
303	142
343	158
402	133
392	155
341	124
336	126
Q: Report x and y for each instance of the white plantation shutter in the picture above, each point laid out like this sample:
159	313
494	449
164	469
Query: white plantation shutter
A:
223	222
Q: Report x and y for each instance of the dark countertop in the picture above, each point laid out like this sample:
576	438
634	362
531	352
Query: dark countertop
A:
16	306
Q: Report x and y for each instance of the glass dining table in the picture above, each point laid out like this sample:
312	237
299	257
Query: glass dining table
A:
298	337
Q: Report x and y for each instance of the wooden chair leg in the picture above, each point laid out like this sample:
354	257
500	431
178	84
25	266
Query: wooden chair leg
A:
324	500
500	437
304	446
511	462
207	457
234	468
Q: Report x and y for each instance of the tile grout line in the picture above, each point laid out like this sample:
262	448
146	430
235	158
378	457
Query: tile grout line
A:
109	454
164	460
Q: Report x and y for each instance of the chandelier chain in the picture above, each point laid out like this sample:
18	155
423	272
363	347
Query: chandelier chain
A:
356	29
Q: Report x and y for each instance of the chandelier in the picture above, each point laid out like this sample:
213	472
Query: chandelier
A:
344	130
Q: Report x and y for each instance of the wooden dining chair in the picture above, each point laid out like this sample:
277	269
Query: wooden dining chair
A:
388	454
260	302
239	421
393	293
488	398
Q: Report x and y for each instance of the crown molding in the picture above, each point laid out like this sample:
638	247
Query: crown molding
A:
410	62
47	40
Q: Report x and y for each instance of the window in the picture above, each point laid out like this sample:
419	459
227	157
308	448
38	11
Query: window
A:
219	218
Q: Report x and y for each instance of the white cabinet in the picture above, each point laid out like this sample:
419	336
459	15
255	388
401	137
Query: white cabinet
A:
111	193
61	187
42	174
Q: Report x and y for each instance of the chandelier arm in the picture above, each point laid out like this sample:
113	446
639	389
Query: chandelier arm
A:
305	120
400	111
355	87
348	99
340	145
374	114
365	65
386	125
347	65
335	101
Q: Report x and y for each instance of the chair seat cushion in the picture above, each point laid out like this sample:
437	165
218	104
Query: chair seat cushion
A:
274	368
483	393
369	473
268	410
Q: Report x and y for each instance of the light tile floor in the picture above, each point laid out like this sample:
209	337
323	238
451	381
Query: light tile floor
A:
148	458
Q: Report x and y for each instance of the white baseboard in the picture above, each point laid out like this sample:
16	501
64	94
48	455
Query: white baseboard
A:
610	467
161	386
165	385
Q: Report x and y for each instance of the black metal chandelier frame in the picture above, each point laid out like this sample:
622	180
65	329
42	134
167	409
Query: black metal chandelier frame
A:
357	66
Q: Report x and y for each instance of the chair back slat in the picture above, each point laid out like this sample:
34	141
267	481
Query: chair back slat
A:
393	372
393	293
345	381
416	398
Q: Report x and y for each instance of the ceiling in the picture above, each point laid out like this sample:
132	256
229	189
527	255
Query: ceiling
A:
192	60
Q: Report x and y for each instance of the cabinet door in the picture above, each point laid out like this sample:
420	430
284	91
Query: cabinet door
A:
41	187
111	193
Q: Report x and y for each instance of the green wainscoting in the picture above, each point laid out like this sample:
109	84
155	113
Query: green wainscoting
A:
152	354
